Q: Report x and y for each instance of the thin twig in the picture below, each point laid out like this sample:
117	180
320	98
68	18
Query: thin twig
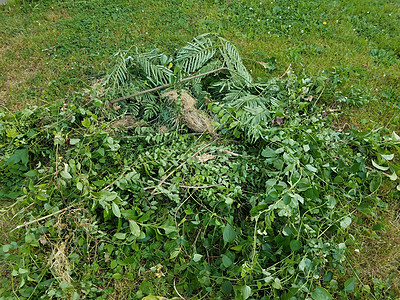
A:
178	167
42	218
168	85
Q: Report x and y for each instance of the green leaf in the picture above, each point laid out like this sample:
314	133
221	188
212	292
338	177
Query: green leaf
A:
79	186
338	179
268	152
74	141
378	227
349	284
295	245
378	166
393	177
99	182
85	122
246	291
375	184
197	257
311	168
134	227
120	235
229	234
345	222
64	174
321	294
387	156
227	287
226	261
115	210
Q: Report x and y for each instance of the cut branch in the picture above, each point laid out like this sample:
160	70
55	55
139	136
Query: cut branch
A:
168	85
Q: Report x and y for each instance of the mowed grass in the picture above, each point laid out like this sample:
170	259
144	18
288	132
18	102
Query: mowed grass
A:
50	49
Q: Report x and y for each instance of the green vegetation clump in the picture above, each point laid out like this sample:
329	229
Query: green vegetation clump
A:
116	196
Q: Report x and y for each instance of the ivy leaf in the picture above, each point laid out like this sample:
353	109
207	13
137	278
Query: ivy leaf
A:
321	294
349	284
116	210
229	234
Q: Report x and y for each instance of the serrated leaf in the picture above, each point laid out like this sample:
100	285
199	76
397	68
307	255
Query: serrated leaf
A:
382	168
115	210
345	222
229	234
321	294
349	285
134	227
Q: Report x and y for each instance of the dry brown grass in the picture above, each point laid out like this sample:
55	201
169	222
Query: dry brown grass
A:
193	118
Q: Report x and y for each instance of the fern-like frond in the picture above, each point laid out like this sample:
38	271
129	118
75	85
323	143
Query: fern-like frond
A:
196	53
118	73
234	62
154	71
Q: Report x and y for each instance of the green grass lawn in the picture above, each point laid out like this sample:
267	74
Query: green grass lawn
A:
50	50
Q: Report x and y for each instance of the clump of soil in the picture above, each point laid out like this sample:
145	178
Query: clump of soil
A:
193	118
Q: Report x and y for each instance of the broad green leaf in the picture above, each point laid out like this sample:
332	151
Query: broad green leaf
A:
79	186
116	210
65	174
99	182
229	234
120	235
345	222
74	141
85	122
378	227
382	168
295	245
268	152
375	184
197	257
311	168
277	284
321	294
338	179
306	148
226	261
388	156
227	287
349	284
246	290
134	227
